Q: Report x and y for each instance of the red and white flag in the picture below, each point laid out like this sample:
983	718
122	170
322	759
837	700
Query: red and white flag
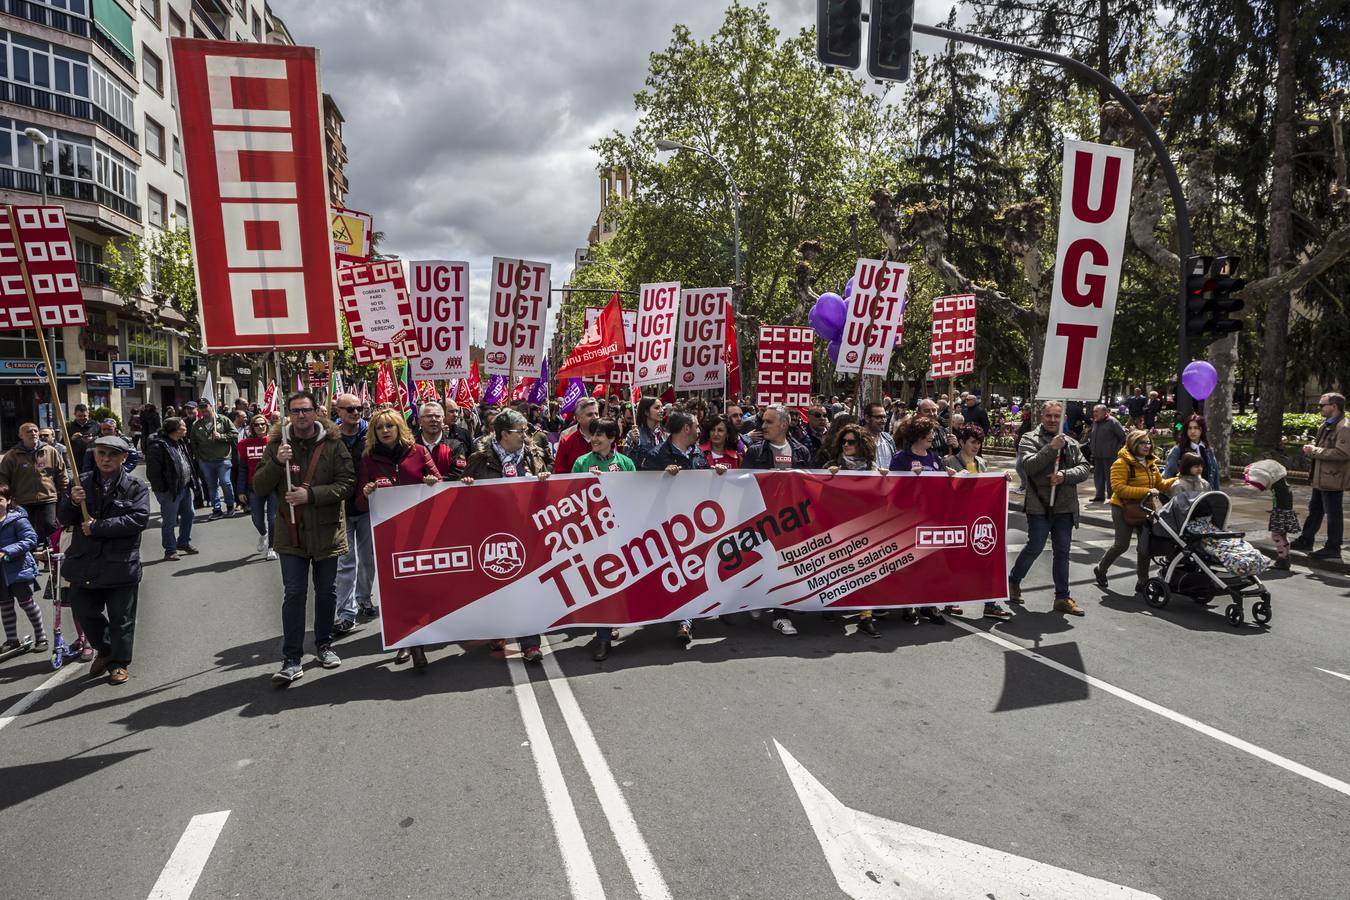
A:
384	386
257	177
426	390
50	258
521	389
270	407
603	341
469	387
733	357
365	395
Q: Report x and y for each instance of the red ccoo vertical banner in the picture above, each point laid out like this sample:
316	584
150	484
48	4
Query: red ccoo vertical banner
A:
257	187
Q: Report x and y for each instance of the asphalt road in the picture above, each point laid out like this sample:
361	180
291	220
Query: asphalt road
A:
1189	760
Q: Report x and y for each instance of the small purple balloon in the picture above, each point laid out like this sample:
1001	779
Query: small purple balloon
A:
848	288
1123	409
1015	409
833	350
827	316
1199	378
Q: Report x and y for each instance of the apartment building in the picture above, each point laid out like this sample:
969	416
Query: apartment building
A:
94	77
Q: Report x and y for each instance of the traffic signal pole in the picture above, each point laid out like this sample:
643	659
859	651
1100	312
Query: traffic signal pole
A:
1184	242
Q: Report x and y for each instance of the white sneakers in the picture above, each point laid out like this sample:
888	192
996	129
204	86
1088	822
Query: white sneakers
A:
262	543
271	554
784	626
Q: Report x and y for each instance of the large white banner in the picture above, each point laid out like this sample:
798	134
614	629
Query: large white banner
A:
1094	210
440	299
654	352
876	317
517	310
699	364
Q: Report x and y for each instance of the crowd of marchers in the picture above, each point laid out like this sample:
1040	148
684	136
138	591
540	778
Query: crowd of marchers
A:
306	476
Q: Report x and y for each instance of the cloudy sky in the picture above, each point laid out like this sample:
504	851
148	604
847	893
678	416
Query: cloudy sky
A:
469	123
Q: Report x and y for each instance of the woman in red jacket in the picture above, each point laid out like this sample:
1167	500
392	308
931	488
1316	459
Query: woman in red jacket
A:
392	458
721	442
264	509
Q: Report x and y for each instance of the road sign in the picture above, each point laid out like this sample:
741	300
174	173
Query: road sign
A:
122	375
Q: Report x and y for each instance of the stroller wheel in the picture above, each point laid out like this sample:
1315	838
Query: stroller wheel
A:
1156	593
1234	614
1261	610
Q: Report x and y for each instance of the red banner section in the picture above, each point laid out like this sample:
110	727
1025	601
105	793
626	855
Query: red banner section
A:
51	267
784	369
953	350
256	178
506	558
379	313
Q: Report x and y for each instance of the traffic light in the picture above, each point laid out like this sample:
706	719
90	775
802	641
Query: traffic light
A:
839	33
890	39
1210	286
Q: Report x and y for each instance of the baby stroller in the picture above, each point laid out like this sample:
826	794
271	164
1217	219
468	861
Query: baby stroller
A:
1183	537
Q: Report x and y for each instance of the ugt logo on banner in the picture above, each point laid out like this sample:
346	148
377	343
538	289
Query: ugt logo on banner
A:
1094	209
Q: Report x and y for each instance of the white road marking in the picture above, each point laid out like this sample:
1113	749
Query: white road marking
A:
582	876
641	864
872	857
1337	674
33	696
185	864
1233	741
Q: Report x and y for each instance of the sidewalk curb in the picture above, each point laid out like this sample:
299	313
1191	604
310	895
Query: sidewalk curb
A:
1090	516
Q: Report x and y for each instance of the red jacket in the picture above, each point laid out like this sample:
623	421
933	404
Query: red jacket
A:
729	458
570	449
414	463
251	452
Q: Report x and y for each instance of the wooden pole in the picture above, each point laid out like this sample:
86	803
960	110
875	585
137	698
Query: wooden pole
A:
52	385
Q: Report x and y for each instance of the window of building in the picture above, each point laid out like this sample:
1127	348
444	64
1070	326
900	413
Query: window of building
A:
78	7
157	208
22	344
180	211
257	26
151	8
177	27
113	97
89	262
38	64
154	138
114	172
147	346
152	71
177	155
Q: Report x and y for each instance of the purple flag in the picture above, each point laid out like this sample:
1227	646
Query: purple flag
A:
496	390
538	394
575	391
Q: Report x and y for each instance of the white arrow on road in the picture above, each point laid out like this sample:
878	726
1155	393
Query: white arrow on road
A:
873	857
1329	672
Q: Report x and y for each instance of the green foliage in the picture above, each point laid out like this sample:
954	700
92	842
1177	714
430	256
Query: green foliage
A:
1294	425
157	267
99	413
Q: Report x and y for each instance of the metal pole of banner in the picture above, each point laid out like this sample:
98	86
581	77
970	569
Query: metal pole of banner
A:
52	386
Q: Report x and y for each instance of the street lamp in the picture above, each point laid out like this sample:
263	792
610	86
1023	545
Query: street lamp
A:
41	140
667	144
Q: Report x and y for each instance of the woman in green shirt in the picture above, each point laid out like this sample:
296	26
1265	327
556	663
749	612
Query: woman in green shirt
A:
603	458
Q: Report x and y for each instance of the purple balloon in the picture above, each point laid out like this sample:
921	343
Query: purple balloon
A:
1199	378
1015	409
833	350
1123	409
848	288
827	316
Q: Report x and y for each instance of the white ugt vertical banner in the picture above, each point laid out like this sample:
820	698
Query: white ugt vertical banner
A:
517	306
658	306
1094	210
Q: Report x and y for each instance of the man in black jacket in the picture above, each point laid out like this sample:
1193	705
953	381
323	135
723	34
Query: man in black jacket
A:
103	563
777	451
168	467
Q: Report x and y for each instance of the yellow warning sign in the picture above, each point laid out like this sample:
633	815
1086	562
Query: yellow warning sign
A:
351	234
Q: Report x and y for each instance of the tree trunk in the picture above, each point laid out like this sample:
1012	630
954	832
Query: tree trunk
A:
1223	355
1270	411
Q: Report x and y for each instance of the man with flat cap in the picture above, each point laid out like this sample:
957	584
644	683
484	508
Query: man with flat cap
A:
103	563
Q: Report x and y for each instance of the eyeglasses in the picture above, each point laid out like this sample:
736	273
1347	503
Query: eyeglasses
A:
352	409
850	440
514	431
307	411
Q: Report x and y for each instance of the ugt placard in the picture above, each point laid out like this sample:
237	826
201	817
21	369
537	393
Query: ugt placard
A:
654	353
440	301
516	312
699	363
876	317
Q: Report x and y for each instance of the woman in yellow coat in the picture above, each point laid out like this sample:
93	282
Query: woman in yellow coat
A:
1134	476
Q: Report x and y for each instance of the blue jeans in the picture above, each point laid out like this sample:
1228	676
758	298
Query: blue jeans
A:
1059	529
217	474
175	509
356	568
295	586
1332	505
264	510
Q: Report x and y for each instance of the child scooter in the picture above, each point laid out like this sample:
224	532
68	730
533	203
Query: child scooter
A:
62	653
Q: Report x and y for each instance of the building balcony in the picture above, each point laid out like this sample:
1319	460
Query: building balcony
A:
45	15
114	51
61	105
62	188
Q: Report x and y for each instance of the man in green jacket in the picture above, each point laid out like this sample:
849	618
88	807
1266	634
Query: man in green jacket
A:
309	533
213	440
